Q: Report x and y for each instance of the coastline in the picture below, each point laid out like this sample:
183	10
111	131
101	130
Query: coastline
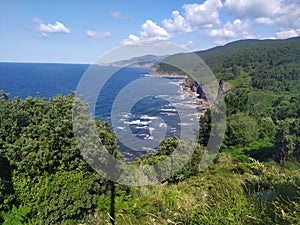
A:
200	104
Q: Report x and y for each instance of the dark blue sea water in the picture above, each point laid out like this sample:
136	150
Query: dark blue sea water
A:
141	109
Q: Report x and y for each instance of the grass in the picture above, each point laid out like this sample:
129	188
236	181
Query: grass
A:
225	193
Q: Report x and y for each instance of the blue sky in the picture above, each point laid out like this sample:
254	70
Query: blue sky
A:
77	31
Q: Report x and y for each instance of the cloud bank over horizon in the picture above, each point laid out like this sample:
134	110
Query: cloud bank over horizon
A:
205	18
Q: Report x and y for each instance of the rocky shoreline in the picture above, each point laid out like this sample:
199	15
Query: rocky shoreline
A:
201	104
193	90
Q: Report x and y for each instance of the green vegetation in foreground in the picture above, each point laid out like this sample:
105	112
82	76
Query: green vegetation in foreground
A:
253	180
45	181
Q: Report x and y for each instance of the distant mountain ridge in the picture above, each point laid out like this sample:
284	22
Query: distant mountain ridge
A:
270	65
246	44
148	61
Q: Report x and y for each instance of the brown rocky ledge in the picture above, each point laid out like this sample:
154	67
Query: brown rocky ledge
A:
201	104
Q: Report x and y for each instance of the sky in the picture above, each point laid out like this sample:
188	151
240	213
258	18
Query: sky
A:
77	31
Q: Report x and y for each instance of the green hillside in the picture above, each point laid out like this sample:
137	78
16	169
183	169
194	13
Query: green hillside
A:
269	65
268	70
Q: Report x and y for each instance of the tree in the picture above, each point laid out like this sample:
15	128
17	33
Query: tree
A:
7	191
17	216
241	130
167	146
205	128
288	138
50	175
238	101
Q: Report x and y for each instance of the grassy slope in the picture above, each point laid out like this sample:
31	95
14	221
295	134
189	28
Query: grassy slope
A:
229	192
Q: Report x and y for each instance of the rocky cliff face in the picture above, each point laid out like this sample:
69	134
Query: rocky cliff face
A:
196	87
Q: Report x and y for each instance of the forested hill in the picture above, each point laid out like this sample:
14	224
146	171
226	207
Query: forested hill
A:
263	104
264	64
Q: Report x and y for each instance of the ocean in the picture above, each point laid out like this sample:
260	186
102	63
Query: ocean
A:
142	109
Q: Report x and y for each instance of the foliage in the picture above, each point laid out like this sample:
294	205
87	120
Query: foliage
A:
288	138
17	216
6	185
237	102
286	108
241	130
205	127
64	196
41	165
168	146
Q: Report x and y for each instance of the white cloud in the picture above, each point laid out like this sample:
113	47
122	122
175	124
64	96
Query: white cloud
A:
232	30
132	39
45	29
195	17
177	24
58	27
94	34
288	33
282	17
290	18
283	14
203	15
226	33
150	31
253	8
264	20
